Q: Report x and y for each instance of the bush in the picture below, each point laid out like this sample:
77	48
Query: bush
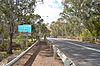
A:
3	47
86	36
3	55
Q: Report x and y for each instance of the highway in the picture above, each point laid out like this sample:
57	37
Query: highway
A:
82	54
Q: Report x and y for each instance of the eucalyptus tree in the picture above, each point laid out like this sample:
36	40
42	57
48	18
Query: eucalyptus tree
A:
54	29
44	30
1	30
86	11
36	21
15	11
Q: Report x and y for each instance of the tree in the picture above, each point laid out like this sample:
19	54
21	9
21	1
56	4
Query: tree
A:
79	17
87	11
14	11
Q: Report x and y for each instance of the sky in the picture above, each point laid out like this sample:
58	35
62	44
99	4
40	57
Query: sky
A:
49	10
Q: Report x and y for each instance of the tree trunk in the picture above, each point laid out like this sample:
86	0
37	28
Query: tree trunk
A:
9	48
2	33
45	38
2	39
32	36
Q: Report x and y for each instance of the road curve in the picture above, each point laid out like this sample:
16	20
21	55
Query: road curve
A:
82	54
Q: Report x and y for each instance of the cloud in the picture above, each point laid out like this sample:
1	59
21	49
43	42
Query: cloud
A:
50	8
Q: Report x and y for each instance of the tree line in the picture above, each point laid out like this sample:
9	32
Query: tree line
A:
18	12
80	19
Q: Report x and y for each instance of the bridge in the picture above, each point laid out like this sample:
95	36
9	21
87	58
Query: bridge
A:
39	54
58	52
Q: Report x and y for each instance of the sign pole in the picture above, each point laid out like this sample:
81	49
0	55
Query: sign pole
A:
26	28
26	39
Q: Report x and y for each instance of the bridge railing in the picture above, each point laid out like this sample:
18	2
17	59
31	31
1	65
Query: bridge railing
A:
32	49
58	52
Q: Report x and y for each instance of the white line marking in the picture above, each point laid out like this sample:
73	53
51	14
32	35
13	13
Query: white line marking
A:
84	47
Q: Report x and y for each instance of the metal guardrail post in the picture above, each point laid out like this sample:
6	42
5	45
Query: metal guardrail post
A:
49	43
50	46
55	51
66	62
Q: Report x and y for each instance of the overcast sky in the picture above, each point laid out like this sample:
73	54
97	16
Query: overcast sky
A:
50	8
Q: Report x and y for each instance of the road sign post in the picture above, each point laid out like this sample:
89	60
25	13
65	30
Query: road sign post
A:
25	29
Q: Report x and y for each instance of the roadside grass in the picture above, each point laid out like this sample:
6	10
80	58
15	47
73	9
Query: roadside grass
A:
17	52
16	49
3	54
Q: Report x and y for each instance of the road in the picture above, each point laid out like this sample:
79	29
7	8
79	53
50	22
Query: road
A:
82	54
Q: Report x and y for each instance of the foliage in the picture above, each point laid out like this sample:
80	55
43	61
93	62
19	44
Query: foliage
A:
80	18
19	39
88	11
3	55
13	13
3	47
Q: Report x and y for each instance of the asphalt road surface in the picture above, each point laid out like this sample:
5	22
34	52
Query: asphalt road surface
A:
82	54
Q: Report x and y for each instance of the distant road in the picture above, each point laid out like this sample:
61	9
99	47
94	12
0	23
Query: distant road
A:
82	54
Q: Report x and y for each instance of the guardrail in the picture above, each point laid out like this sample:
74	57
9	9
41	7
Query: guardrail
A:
15	60
63	57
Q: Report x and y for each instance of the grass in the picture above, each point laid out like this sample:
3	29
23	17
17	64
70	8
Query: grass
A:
3	54
16	52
